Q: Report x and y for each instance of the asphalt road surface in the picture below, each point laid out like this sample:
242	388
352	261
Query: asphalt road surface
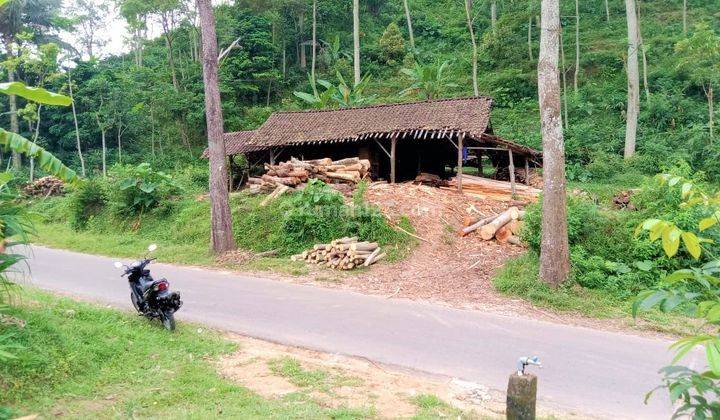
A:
591	371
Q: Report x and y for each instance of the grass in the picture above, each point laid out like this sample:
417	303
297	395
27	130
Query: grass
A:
519	278
181	230
79	360
82	361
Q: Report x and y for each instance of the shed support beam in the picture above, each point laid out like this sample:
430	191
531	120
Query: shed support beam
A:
393	158
383	148
272	157
460	161
527	171
511	168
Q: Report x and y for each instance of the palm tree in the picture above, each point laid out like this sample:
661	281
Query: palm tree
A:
428	81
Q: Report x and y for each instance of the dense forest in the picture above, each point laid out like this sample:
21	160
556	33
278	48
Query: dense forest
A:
147	104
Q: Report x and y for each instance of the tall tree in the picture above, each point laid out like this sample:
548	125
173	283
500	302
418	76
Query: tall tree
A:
493	13
77	129
468	15
699	57
221	234
633	79
314	39
607	11
577	45
554	248
643	50
89	19
409	24
15	17
563	72
684	15
356	41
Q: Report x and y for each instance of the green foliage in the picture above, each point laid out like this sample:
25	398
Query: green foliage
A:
699	55
695	289
427	81
392	45
35	94
336	96
87	201
140	188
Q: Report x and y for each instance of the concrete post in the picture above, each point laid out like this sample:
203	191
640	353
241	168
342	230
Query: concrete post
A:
521	397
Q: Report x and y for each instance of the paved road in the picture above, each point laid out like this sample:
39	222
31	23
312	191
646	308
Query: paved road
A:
592	371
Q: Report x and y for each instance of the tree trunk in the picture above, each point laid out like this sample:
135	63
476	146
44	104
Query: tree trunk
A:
607	11
77	130
468	14
356	40
564	80
493	14
577	45
35	139
171	61
104	152
14	124
301	45
529	39
644	54
633	79
119	141
221	234
554	249
314	41
409	25
711	112
684	14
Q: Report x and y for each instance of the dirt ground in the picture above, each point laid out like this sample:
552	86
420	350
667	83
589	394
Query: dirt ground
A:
335	381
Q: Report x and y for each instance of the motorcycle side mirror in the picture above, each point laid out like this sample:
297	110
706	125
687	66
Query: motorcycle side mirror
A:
118	264
152	247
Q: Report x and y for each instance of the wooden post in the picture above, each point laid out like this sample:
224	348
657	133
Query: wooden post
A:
461	137
393	157
272	157
511	168
479	155
527	171
521	397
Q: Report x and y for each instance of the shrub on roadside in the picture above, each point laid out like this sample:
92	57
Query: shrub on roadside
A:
138	189
88	200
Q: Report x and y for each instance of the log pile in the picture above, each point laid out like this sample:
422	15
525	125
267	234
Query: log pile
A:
44	187
295	172
536	180
342	254
484	188
623	200
503	227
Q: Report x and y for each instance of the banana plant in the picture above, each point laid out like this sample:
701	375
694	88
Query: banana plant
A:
341	95
10	141
427	81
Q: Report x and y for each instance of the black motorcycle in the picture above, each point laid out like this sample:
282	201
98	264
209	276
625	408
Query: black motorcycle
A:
151	298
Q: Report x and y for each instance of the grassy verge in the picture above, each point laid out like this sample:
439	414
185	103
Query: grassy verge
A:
519	278
181	230
81	361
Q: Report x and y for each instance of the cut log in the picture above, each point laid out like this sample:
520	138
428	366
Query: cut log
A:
477	225
290	182
345	176
363	246
346	161
487	232
371	257
515	226
514	240
280	190
503	234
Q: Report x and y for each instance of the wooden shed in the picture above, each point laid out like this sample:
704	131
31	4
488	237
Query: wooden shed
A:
400	140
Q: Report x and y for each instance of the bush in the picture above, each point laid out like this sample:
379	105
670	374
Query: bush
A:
137	189
318	214
88	199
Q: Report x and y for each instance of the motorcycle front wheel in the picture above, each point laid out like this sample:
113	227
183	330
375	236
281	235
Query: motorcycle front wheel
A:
168	320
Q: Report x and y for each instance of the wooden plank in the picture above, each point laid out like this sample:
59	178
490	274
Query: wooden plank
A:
393	156
383	149
511	168
527	171
459	157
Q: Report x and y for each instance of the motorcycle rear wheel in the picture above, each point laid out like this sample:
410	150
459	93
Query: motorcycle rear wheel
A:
168	320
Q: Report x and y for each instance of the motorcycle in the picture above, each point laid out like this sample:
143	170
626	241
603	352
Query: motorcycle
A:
151	298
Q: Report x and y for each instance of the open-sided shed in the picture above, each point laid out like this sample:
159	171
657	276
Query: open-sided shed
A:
400	140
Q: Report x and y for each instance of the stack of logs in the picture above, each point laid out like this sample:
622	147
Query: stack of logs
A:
503	227
295	172
44	187
484	188
342	254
